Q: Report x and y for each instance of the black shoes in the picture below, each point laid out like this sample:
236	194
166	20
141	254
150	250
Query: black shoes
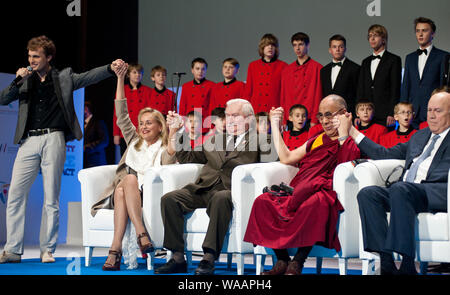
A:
205	268
172	267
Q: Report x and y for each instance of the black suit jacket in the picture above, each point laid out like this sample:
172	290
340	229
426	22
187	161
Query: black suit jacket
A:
384	89
346	82
436	181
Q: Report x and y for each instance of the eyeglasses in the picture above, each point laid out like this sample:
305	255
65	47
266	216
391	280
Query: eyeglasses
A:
405	113
328	115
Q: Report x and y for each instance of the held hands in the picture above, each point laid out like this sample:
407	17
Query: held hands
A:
343	123
174	121
276	116
115	65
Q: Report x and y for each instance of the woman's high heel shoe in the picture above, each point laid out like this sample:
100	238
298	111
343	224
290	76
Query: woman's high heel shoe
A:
145	248
116	265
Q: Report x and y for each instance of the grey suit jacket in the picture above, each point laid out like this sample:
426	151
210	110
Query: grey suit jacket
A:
435	183
218	165
65	82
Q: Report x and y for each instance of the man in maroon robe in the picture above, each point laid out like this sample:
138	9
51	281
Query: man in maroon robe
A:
309	216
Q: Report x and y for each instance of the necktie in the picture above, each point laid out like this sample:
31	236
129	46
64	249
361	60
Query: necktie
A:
415	166
230	145
375	57
420	51
337	64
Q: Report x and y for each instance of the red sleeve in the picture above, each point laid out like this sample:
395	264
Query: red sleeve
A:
183	100
317	94
249	83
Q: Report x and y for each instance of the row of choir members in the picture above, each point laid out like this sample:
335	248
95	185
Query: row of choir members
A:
272	82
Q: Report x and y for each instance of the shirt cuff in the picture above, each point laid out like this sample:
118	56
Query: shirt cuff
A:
359	138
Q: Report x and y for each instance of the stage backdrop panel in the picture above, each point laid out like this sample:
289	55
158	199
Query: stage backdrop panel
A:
172	33
70	186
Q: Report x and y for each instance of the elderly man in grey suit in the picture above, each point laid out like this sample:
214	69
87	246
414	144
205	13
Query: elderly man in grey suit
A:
46	121
212	189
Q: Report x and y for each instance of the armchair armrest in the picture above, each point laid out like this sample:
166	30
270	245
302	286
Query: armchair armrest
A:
376	172
266	174
176	176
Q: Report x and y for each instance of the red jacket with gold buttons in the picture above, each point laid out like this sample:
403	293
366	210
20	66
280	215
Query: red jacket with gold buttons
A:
392	138
223	92
194	95
300	84
263	84
162	100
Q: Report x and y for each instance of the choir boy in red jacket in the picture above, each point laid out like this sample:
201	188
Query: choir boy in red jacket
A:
403	114
263	84
298	133
365	110
161	99
300	81
230	88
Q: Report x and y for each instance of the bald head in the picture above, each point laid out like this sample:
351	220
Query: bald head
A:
329	107
438	112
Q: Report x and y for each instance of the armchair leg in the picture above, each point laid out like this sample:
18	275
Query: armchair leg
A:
260	259
240	264
88	255
319	265
151	261
189	259
368	267
343	265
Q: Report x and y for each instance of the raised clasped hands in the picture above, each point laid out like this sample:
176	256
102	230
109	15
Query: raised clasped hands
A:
174	121
343	123
276	115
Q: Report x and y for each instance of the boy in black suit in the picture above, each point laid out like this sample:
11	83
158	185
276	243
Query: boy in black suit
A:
380	77
424	69
341	75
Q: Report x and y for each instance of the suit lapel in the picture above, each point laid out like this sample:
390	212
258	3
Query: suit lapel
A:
430	59
340	75
327	82
381	65
415	66
439	154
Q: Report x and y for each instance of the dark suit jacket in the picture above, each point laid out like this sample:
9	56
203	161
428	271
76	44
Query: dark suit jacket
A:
436	181
65	82
384	89
346	82
218	165
418	91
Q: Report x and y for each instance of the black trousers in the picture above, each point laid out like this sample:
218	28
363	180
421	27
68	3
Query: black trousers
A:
176	204
404	201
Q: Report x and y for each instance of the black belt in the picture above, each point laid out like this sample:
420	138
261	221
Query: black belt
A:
39	132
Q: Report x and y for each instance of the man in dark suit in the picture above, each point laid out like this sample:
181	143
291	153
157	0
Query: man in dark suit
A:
424	70
341	75
212	189
422	187
380	77
46	121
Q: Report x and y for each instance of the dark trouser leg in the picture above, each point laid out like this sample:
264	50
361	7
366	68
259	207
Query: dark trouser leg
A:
373	204
282	254
173	207
219	210
407	200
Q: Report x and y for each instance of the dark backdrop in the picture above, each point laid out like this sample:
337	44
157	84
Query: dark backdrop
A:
104	31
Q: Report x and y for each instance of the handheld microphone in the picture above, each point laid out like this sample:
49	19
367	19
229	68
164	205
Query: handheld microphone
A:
19	78
179	73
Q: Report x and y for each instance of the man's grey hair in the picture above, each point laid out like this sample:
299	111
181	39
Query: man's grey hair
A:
247	108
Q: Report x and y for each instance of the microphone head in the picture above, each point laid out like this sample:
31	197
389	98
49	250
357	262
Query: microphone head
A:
29	68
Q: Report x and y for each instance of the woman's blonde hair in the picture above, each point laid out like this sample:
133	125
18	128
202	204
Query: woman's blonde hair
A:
161	121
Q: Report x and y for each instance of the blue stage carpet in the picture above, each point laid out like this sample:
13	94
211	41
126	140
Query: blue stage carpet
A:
64	266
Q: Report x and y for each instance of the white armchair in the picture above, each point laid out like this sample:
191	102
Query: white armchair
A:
171	177
432	229
346	187
98	231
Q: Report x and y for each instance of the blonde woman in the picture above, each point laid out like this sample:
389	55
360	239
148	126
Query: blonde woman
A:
146	147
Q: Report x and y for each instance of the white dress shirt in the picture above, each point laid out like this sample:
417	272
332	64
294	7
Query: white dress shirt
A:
423	60
335	71
375	62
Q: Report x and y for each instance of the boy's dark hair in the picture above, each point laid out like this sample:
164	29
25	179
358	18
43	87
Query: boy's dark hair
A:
297	106
218	112
194	113
262	114
198	60
300	36
364	101
337	37
424	20
232	61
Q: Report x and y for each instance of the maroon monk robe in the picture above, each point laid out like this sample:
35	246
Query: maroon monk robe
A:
310	215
